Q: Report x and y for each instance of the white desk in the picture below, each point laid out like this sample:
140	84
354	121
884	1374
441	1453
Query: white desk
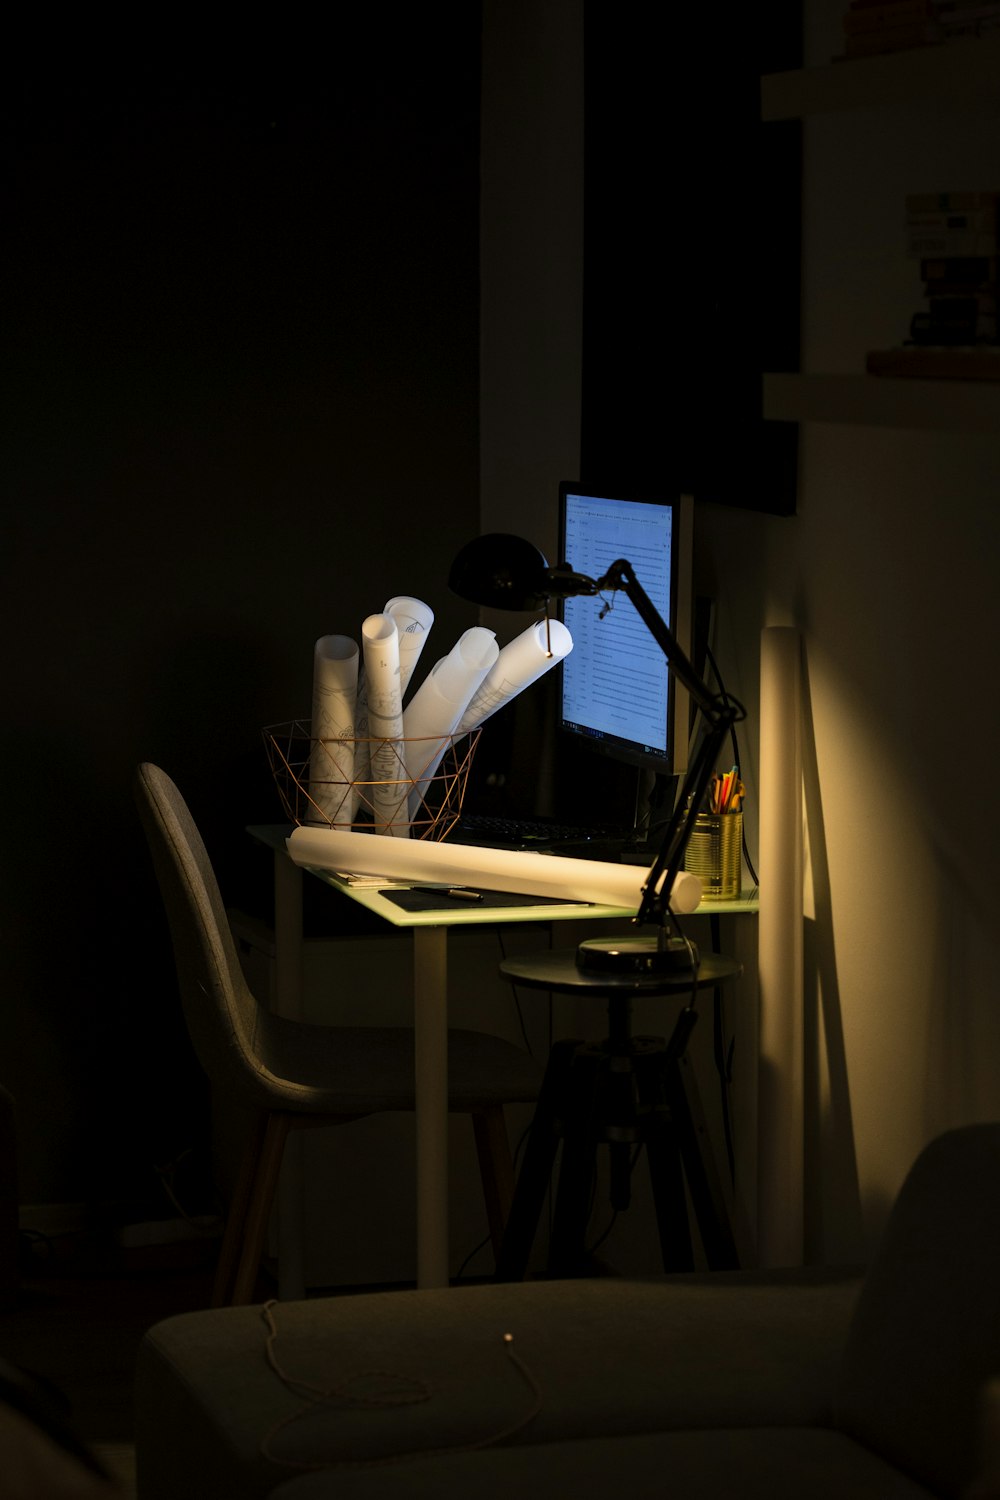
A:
430	1017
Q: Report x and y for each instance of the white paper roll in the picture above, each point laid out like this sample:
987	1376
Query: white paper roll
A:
520	663
362	761
380	642
780	1125
413	620
516	870
439	703
331	760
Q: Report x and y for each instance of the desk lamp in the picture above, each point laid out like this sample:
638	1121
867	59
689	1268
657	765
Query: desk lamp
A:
503	571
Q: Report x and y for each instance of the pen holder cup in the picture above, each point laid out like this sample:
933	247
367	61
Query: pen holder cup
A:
715	853
318	784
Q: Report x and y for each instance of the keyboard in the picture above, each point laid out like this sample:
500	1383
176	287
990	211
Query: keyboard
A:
534	833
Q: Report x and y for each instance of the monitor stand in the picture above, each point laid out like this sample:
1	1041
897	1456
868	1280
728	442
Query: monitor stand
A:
655	796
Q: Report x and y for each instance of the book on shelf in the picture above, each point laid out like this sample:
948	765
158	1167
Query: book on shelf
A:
956	320
968	18
924	242
951	272
888	26
951	225
954	237
877	26
892	9
925	363
891	38
978	201
861	18
969	10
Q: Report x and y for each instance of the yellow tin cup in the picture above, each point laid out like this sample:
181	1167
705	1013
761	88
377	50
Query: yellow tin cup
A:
714	853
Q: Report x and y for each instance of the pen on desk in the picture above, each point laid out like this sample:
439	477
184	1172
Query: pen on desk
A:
457	892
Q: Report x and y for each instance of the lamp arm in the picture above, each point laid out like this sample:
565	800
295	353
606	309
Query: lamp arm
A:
507	572
720	714
669	861
621	575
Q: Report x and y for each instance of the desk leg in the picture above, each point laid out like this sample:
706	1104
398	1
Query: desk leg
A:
430	1001
288	1002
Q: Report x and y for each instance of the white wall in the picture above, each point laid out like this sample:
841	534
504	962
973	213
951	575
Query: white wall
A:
889	570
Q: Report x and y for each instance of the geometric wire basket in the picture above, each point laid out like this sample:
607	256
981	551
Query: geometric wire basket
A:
315	790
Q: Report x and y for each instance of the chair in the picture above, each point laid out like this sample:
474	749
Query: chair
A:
294	1074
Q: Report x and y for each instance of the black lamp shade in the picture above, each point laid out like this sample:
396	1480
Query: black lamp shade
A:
502	571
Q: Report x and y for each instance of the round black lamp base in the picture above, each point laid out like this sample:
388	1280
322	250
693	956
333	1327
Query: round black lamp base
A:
642	953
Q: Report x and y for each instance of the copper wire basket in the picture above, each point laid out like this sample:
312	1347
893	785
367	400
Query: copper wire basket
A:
428	807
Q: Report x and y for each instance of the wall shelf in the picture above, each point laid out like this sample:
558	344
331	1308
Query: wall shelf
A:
880	401
953	74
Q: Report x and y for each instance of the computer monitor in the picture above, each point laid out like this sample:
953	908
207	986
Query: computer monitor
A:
617	694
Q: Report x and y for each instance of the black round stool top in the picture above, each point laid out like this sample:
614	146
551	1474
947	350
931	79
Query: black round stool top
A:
558	970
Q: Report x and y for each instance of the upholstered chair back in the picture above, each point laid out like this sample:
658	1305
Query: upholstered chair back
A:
925	1339
223	1017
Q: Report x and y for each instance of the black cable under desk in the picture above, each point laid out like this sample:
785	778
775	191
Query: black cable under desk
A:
625	1092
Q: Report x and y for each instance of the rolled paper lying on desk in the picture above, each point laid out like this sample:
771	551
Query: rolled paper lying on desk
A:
523	870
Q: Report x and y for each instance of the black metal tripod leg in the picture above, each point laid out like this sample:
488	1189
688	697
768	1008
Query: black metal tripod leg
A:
708	1196
578	1164
535	1175
663	1154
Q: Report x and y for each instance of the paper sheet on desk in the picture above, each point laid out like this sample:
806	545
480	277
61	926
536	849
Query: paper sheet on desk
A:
501	869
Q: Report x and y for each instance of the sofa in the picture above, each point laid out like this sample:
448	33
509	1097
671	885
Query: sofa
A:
807	1382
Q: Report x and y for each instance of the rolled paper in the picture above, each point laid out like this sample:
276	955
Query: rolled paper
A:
413	620
520	663
362	757
438	704
523	871
331	786
389	782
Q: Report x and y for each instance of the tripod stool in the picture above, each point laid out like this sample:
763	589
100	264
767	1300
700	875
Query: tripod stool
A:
626	1092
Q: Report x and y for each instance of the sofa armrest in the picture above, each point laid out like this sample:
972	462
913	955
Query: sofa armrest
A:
617	1357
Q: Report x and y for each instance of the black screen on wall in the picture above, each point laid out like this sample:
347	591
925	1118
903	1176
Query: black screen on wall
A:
691	250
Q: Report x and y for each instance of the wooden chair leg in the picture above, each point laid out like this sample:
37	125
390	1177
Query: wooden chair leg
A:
259	1207
232	1239
496	1168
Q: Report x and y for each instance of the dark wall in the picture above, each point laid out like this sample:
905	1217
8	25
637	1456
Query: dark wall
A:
240	412
691	250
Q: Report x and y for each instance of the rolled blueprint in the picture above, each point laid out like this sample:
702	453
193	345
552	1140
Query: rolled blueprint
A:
362	759
524	871
332	792
380	643
438	704
413	620
520	663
